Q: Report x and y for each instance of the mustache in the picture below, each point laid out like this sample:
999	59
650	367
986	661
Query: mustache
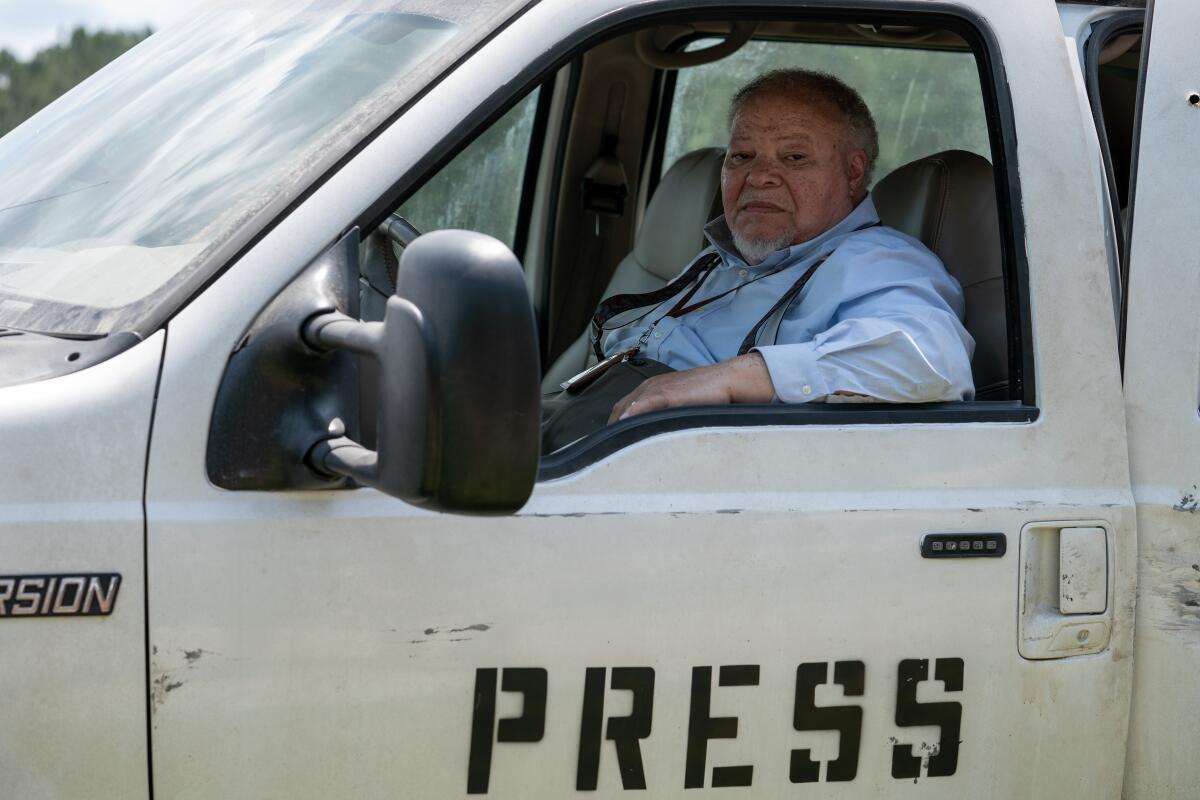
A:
748	198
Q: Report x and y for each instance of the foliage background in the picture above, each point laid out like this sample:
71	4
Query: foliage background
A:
28	86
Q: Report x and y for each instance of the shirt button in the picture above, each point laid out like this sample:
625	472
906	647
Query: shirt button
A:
658	334
806	389
743	273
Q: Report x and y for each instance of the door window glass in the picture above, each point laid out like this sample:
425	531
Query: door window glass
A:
923	101
480	190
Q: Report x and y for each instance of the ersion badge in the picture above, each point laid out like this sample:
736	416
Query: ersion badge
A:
92	595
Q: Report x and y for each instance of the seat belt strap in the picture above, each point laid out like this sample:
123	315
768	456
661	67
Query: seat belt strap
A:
605	186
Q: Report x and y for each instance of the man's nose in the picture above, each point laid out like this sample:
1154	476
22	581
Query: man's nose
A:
762	173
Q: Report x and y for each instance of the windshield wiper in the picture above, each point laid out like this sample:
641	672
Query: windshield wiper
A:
53	197
8	330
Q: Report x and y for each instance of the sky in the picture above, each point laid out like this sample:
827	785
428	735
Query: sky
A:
27	26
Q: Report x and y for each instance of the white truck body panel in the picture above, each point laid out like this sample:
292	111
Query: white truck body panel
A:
1162	391
71	502
698	548
299	644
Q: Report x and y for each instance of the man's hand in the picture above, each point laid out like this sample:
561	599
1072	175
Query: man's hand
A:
744	379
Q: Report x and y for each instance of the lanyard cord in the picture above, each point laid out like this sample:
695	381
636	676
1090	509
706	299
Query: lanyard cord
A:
697	273
620	303
748	342
681	308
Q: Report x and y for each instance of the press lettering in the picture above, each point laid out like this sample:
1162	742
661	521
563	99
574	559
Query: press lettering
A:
947	716
629	733
702	727
846	720
623	732
528	727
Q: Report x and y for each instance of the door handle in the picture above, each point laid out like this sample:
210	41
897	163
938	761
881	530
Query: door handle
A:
1064	587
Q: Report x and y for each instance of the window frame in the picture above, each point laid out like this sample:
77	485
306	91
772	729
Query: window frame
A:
1102	32
998	107
529	170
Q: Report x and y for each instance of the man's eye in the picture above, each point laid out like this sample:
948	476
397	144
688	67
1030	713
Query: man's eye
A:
738	157
794	157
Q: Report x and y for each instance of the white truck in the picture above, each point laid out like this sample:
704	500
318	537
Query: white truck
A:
273	518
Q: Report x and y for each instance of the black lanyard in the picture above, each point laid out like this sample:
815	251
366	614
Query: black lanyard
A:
681	308
698	272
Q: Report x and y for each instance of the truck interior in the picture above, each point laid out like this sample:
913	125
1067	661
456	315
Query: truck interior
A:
602	173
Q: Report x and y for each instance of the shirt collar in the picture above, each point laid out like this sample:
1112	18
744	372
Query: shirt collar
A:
717	233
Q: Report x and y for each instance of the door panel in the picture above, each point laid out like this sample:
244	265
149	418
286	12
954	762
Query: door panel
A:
342	643
1162	366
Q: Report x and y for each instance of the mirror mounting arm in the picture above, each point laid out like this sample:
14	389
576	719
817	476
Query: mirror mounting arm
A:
343	457
337	331
338	455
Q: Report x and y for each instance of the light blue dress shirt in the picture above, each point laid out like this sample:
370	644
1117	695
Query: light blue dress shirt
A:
881	317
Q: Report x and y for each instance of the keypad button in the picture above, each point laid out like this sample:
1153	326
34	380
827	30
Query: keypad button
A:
943	545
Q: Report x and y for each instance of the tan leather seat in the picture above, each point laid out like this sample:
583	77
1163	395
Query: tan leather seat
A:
948	201
670	237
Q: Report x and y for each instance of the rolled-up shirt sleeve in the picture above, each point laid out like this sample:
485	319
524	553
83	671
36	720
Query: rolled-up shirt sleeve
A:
895	334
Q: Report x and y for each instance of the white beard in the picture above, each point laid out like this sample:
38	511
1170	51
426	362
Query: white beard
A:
756	250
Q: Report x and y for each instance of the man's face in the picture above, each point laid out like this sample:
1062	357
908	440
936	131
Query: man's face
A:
791	173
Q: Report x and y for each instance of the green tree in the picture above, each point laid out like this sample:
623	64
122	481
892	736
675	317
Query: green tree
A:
26	87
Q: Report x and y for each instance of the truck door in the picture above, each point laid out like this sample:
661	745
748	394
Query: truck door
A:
854	602
1161	357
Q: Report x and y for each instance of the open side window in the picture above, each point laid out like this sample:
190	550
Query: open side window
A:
936	86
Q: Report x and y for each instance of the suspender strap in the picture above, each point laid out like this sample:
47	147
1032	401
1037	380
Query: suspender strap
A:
787	298
620	303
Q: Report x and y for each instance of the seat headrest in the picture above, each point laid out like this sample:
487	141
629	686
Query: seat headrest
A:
948	201
671	232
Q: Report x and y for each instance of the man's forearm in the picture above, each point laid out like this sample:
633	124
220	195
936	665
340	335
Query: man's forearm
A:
749	379
744	379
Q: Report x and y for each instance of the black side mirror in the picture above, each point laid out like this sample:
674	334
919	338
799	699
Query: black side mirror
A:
459	393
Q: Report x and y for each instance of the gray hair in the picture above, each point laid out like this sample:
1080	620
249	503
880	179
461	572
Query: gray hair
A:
806	83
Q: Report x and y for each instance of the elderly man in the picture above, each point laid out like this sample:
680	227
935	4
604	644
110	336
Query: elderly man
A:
803	295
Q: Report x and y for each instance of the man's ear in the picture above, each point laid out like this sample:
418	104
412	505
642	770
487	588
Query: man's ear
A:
856	173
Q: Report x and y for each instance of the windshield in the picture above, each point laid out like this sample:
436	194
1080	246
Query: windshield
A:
119	190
